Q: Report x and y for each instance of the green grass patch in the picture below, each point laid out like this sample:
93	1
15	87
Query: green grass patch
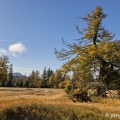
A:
52	112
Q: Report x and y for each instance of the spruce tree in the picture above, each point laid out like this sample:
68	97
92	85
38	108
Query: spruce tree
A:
21	83
44	78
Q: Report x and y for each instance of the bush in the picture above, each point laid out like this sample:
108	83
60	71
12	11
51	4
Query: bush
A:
118	94
79	95
68	88
52	112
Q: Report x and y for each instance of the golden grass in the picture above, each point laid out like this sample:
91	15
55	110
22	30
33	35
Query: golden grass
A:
22	96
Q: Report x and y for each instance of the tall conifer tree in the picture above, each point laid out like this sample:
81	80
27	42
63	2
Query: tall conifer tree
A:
95	53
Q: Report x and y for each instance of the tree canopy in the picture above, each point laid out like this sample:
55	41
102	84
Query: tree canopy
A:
3	67
95	52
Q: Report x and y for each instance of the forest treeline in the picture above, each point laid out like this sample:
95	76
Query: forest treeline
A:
48	78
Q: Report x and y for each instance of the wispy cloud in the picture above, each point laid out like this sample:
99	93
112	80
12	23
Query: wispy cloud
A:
17	48
3	52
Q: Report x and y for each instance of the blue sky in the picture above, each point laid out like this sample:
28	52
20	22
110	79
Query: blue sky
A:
31	29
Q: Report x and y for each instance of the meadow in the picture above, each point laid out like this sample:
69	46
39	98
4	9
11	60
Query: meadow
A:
53	104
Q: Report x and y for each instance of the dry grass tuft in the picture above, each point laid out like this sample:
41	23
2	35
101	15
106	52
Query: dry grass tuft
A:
22	96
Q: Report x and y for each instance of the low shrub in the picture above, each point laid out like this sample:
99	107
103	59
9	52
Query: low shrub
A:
68	88
80	96
52	112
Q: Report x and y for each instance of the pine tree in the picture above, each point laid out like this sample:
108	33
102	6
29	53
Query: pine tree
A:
21	83
26	84
44	78
48	73
50	77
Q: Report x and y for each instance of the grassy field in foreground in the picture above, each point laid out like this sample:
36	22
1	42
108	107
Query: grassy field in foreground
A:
53	103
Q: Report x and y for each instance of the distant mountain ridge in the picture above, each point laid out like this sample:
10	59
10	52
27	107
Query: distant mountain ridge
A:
18	74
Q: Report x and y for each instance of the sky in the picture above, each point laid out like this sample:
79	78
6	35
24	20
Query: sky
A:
31	29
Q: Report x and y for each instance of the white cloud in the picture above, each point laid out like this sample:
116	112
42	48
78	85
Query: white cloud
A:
17	48
3	52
